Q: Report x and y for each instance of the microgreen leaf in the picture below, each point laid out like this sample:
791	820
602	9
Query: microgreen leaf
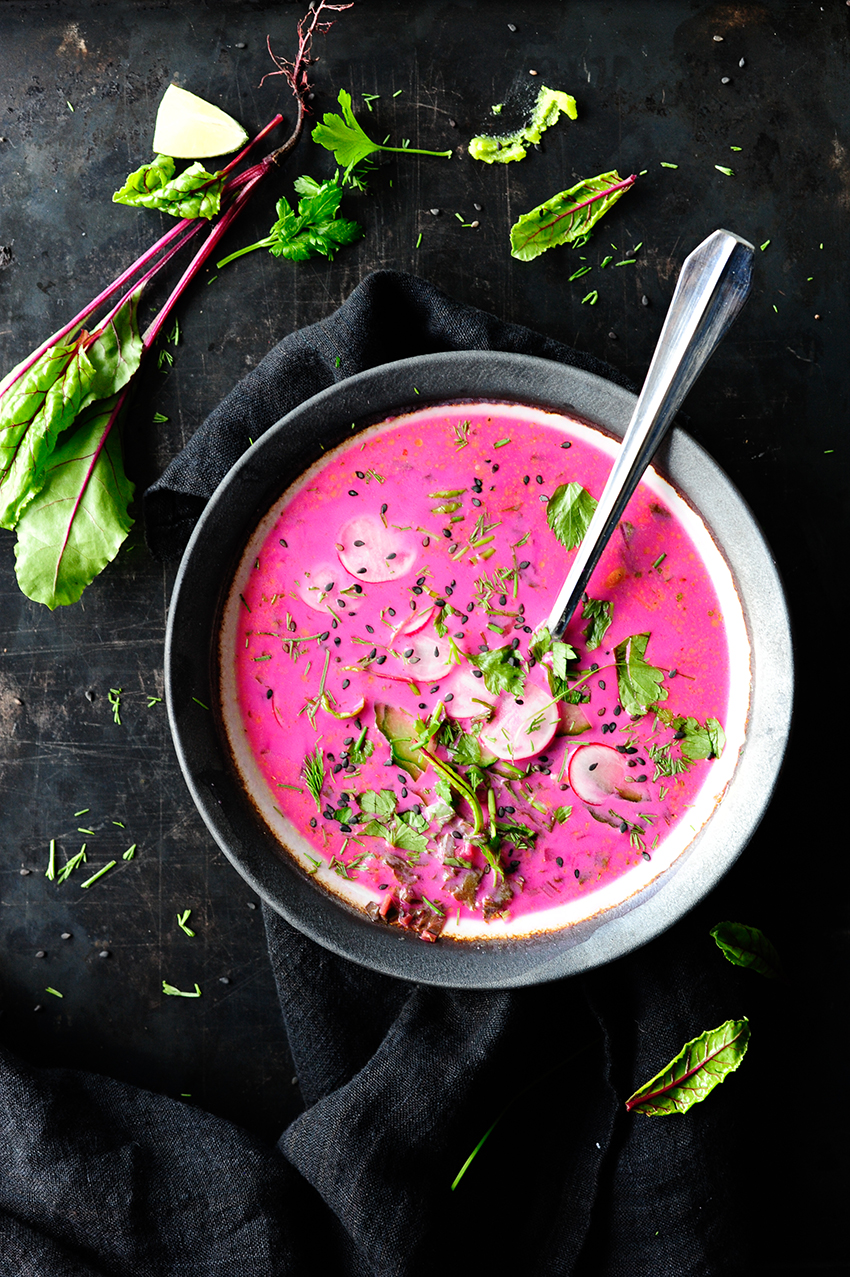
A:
640	684
350	144
500	673
315	228
174	992
194	193
566	216
599	612
569	512
701	1065
747	947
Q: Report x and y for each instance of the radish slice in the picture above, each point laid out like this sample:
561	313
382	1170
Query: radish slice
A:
598	771
313	585
470	697
574	721
417	622
426	657
518	731
370	552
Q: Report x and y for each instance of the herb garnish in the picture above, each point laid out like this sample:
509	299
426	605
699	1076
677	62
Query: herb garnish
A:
182	920
569	512
550	105
114	698
313	770
599	613
640	684
315	228
174	992
500	672
88	882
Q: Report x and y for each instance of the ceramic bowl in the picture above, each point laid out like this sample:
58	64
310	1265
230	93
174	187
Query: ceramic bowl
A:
761	652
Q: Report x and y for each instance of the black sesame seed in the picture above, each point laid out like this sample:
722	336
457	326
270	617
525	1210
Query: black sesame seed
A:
450	697
458	633
417	589
372	654
383	509
324	636
269	693
457	835
447	532
525	564
392	556
515	643
602	684
642	779
518	701
358	589
475	500
503	598
470	607
526	629
593	767
400	778
352	492
345	683
435	689
391	611
426	541
380	660
439	602
369	629
567	445
283	543
359	543
559	861
575	873
422	705
337	641
477	674
494	469
526	478
407	652
448	590
360	474
360	571
345	829
594	667
646	855
618	709
538	478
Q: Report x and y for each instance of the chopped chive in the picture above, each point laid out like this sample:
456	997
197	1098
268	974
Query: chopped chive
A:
501	443
775	307
119	823
591	297
637	246
201	703
627	261
158	418
415	391
174	992
721	168
130	852
664	164
242	597
212	281
765	244
90	832
68	104
55	992
419	240
735	148
395	95
82	811
50	871
88	882
605	261
182	919
659	560
577	274
154	700
114	698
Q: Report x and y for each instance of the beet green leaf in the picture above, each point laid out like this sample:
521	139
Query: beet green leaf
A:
747	947
567	215
194	193
37	406
78	521
700	1066
568	513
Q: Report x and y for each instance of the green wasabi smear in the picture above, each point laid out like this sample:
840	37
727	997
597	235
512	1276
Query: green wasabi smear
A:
551	103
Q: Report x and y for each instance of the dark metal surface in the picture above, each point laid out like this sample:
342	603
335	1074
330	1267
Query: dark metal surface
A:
648	78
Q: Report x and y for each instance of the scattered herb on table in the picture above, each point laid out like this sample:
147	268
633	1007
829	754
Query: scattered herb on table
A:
114	698
565	216
72	864
350	144
182	921
701	1065
50	871
88	882
55	992
314	229
174	992
130	852
747	947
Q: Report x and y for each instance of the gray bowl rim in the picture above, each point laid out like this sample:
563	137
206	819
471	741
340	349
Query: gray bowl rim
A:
258	479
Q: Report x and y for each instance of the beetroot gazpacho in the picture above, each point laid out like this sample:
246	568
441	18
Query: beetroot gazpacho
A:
403	720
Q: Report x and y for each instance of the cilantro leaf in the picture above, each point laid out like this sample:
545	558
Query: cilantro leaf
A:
569	512
443	790
700	742
349	142
314	229
567	215
500	674
562	653
541	643
195	193
466	750
599	612
640	684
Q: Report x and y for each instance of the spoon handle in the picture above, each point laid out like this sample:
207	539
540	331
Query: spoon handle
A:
713	285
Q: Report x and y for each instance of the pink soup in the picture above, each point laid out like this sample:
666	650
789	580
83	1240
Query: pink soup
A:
400	714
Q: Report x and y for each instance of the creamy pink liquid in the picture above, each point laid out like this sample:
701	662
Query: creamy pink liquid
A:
294	637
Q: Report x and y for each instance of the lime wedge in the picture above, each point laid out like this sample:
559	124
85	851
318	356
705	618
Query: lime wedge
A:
188	128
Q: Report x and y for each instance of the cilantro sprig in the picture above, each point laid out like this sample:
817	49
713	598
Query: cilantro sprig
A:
315	228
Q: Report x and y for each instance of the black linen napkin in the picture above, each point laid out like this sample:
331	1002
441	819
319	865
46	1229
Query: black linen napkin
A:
399	1081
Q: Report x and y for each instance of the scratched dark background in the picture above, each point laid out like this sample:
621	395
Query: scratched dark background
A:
772	409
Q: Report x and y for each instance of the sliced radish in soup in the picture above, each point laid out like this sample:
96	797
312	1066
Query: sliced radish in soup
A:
521	730
320	587
466	696
425	657
370	552
596	772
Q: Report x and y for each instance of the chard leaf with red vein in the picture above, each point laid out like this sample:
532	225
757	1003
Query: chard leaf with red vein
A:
37	407
193	193
568	513
702	1064
640	684
567	215
747	947
78	521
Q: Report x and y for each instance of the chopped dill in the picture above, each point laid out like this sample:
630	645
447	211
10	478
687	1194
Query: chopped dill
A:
313	771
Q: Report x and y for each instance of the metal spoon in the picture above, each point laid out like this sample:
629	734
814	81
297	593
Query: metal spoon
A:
713	285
